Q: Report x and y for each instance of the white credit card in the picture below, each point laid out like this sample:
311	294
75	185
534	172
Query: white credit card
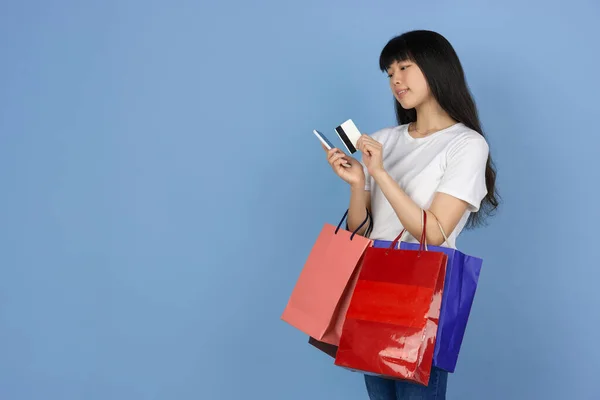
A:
349	135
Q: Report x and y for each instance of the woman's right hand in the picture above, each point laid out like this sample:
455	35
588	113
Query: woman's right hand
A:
353	175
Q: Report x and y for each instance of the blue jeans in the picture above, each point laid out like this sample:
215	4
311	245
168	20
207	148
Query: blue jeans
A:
388	389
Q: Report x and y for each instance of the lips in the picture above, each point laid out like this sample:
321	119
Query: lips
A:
401	92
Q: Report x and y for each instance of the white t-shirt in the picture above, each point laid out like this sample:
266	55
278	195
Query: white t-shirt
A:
451	161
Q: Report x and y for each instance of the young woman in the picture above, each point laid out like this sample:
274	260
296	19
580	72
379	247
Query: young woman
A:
436	160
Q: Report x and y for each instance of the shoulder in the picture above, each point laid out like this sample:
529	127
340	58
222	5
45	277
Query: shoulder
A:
466	141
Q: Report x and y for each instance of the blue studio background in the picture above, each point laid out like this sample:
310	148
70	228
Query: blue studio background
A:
161	189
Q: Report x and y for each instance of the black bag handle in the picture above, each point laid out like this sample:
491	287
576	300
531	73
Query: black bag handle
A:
369	227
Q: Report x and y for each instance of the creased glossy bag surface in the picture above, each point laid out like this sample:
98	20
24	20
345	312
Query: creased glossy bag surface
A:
462	275
391	324
318	303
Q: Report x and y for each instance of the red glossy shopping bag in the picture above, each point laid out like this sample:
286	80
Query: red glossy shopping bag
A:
392	320
318	303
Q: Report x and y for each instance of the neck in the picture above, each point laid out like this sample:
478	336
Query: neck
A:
431	117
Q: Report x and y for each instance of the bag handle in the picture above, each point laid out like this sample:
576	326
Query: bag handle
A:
422	240
370	227
368	218
446	240
443	233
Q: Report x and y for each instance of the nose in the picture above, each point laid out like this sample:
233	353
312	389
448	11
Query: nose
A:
396	81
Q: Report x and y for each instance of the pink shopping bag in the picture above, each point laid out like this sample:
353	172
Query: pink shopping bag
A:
320	299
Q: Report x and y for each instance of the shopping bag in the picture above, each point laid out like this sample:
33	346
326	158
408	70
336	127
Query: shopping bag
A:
329	349
462	275
391	324
320	298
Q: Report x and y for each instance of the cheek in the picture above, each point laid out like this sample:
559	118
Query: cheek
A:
419	84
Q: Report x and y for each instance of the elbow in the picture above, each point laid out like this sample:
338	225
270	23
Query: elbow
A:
435	241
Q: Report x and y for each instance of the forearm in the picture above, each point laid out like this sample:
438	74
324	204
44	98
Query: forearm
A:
357	210
409	213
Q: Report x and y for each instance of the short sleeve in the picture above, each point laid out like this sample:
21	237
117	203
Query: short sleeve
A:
464	177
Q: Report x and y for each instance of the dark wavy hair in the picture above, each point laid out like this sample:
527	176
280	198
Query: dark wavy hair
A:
443	71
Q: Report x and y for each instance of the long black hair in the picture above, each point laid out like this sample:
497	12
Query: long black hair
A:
443	71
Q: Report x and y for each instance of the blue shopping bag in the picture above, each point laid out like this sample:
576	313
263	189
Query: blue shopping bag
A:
462	274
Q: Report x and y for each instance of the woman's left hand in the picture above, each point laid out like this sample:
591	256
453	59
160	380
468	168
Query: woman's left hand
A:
372	153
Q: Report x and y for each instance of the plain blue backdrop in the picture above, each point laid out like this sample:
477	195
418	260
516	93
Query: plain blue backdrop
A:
161	189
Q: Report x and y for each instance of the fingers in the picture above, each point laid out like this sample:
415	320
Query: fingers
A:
339	159
364	138
333	152
341	163
368	148
368	144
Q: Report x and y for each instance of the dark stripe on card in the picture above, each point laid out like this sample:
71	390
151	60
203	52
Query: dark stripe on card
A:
345	139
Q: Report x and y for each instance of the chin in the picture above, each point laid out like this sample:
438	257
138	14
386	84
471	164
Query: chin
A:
406	104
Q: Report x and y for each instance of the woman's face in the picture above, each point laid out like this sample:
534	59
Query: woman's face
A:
408	84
